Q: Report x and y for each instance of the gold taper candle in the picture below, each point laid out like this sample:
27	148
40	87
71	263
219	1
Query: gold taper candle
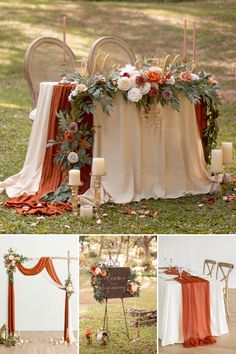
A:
194	42
64	41
185	42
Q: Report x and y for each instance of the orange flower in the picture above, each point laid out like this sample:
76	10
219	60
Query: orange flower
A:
153	76
88	332
69	137
185	76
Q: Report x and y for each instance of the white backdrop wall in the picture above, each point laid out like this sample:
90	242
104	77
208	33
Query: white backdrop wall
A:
39	304
192	250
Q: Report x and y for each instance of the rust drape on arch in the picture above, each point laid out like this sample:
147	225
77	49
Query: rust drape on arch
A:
43	263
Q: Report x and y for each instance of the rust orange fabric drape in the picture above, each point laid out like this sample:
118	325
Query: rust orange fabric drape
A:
201	113
43	263
196	310
52	176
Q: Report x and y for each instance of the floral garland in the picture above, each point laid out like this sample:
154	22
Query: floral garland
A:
142	86
10	261
69	287
101	270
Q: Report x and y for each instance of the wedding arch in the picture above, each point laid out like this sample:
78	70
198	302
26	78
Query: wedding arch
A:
14	262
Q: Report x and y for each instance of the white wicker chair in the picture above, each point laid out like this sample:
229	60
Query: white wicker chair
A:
44	61
107	52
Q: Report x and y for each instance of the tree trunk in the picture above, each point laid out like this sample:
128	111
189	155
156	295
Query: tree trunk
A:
146	244
120	245
127	249
101	245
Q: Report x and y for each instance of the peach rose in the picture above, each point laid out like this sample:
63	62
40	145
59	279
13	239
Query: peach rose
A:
185	76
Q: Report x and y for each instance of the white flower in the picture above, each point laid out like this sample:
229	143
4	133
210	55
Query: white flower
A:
99	336
69	288
156	69
124	83
11	257
72	157
134	287
13	263
128	69
97	271
80	88
145	89
134	95
195	77
171	80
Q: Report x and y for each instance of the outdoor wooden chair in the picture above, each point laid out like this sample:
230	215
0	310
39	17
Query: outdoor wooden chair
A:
108	53
208	267
44	61
222	273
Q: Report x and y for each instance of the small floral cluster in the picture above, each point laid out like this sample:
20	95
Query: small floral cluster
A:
98	271
133	286
69	287
10	261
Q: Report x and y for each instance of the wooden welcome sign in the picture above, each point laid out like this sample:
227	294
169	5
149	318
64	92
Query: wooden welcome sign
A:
114	286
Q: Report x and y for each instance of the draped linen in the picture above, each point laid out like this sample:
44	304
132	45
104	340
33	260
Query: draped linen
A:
43	263
51	175
196	310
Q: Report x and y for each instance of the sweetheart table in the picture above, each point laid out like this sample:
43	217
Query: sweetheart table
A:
171	315
156	157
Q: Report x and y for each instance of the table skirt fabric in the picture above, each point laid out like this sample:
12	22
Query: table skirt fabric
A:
170	311
158	157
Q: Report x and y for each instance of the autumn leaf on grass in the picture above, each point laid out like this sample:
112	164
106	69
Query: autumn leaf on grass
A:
209	201
127	212
230	197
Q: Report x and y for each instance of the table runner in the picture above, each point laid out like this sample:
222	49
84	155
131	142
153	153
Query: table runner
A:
196	310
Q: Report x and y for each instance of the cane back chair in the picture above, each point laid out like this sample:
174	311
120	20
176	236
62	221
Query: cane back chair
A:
222	273
209	266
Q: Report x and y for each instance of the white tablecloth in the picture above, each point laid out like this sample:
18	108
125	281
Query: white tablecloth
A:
170	311
161	157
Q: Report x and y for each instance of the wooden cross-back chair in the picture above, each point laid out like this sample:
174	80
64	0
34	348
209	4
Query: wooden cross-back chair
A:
108	53
44	61
209	266
222	273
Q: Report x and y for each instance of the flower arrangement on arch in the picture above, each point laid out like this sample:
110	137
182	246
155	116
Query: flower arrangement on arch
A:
10	261
69	287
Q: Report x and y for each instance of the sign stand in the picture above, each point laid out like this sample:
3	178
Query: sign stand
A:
105	320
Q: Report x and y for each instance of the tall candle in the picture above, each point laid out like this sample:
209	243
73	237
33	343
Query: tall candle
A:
227	150
194	42
64	41
216	161
98	166
185	41
74	177
86	211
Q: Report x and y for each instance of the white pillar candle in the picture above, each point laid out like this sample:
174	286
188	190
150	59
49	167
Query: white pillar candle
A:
98	166
86	211
74	177
216	161
227	150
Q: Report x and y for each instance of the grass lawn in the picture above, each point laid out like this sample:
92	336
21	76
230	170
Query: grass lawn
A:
91	316
151	28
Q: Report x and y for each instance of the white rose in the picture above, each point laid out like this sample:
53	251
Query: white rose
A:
124	83
80	88
69	288
134	287
156	69
72	157
13	263
11	257
127	69
195	77
97	270
171	80
99	336
134	95
145	89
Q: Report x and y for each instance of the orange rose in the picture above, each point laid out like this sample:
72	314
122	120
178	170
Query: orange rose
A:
185	76
69	137
88	332
153	76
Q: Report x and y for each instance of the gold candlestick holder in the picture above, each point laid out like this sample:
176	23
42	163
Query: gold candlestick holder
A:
97	194
75	198
216	186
